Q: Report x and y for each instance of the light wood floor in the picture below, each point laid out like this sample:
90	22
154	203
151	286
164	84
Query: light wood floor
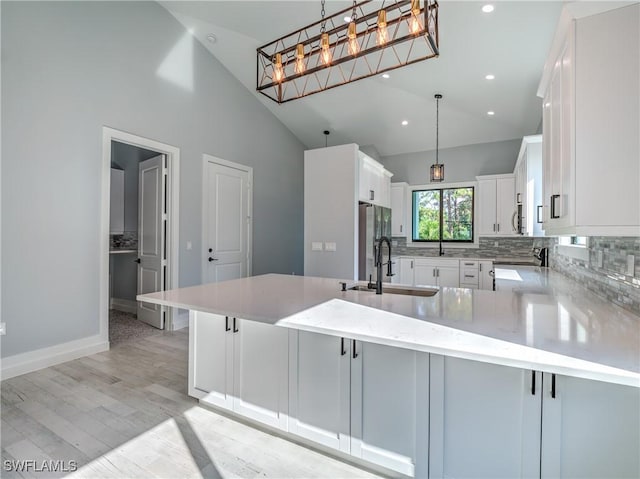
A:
126	413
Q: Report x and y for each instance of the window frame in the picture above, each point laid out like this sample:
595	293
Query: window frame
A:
441	188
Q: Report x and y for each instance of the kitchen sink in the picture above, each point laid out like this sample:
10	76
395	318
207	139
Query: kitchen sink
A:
405	291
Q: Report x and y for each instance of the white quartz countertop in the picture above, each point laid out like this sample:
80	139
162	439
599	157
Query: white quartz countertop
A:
565	331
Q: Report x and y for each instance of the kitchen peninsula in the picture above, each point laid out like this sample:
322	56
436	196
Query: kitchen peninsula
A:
448	385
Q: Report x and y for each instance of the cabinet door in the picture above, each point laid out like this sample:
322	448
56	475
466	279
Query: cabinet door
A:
487	225
390	407
590	429
406	271
211	358
261	372
484	420
425	274
505	206
448	277
398	210
485	275
319	386
546	159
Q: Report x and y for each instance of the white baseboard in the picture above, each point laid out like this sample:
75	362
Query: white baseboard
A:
180	319
124	305
23	363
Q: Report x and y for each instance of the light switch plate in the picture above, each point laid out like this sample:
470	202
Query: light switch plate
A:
189	246
631	265
330	246
316	246
600	259
3	329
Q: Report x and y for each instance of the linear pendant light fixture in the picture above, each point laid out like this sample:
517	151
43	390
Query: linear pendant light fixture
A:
437	169
379	37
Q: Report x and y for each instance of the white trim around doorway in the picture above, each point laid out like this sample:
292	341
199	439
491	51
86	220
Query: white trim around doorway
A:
173	220
230	164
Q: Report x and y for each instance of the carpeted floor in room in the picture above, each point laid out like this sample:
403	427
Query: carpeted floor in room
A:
126	327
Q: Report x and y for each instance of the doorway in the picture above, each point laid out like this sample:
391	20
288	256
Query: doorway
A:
227	203
140	247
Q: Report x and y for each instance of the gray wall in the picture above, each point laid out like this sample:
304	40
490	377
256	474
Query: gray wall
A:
69	68
462	163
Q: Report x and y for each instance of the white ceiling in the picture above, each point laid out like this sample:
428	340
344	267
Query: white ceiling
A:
511	43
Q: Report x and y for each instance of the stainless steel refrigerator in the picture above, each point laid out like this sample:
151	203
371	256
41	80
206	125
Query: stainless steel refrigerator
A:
375	221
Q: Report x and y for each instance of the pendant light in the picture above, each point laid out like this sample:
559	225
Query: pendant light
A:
437	169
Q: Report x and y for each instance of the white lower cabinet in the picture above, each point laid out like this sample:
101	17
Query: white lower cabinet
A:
484	420
437	272
240	365
497	421
590	429
319	368
368	400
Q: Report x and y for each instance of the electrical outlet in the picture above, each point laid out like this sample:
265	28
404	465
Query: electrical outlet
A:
631	265
600	259
330	246
3	329
495	243
189	245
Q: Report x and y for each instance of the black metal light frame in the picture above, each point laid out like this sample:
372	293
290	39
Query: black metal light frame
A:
402	48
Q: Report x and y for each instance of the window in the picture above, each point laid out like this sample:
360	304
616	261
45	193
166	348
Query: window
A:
573	241
445	214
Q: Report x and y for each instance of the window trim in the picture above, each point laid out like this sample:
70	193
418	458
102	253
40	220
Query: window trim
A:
459	244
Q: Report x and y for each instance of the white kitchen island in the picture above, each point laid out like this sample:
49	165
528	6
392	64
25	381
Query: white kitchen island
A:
461	384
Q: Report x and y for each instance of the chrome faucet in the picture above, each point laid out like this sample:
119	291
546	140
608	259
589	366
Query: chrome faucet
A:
379	264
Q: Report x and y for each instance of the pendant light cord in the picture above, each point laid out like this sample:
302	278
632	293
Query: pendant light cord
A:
322	14
438	96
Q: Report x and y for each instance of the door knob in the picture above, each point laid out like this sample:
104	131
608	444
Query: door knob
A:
210	250
212	259
137	260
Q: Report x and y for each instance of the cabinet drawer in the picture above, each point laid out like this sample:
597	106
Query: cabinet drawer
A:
437	262
471	264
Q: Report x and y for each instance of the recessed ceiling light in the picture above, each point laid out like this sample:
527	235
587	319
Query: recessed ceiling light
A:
386	76
491	113
192	31
347	19
405	122
487	8
490	77
211	38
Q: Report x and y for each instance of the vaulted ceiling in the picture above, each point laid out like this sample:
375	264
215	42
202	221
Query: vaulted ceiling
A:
510	43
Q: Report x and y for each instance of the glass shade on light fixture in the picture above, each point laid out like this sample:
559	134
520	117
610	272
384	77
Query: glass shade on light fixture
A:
437	173
382	36
278	71
415	25
325	47
352	35
300	66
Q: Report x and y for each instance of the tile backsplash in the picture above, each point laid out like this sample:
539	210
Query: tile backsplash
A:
605	271
517	247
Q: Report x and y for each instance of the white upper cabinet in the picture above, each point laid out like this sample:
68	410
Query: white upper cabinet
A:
399	224
374	184
528	180
496	205
116	211
591	121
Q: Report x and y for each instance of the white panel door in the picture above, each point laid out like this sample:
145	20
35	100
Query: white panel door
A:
485	420
319	388
226	222
390	407
590	429
151	236
211	361
424	274
261	372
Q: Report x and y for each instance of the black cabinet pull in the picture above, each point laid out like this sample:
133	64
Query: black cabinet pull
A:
355	353
553	386
539	218
553	206
533	383
235	329
342	350
226	323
